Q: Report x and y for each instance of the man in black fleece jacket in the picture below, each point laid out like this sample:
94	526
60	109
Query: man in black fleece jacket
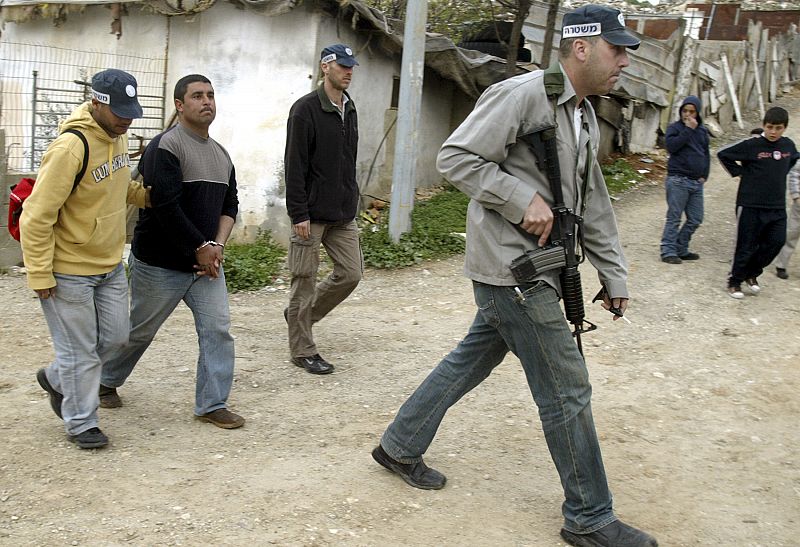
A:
762	163
322	200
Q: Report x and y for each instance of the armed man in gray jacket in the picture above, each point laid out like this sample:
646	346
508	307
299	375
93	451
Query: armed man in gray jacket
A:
512	211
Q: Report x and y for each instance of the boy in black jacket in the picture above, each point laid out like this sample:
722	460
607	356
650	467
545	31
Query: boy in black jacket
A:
762	163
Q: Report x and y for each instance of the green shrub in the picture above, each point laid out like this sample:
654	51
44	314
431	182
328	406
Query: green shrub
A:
620	176
255	265
435	227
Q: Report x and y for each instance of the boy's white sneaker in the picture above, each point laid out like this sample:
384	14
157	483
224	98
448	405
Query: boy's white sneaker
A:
752	284
735	291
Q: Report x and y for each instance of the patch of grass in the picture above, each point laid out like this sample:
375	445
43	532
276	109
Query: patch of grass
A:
620	176
435	227
251	266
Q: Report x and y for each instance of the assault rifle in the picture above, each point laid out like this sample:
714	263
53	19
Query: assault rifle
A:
566	237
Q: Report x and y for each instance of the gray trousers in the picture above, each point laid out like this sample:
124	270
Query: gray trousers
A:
792	235
310	301
88	321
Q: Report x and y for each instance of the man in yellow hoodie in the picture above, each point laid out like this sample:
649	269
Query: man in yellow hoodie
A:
72	242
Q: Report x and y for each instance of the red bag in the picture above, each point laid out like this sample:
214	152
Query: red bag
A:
19	193
21	190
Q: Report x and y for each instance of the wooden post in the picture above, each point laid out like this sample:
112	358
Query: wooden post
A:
732	89
746	89
684	69
757	75
775	72
750	99
764	58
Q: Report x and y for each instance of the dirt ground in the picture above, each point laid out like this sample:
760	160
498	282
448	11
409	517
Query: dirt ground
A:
695	402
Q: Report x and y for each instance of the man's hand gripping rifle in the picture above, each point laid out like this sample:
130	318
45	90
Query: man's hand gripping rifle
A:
565	247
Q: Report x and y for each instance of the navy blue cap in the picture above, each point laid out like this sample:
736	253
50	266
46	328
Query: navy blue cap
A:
117	89
596	20
340	53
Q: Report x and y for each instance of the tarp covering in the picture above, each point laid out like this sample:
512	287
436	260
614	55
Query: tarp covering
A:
472	71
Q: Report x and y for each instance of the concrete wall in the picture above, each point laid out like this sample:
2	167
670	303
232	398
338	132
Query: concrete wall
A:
437	102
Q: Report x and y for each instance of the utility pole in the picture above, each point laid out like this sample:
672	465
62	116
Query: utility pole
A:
408	112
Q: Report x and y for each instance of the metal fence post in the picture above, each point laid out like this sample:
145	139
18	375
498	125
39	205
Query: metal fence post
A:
33	123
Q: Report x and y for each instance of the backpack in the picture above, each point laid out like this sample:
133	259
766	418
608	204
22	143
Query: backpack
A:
21	190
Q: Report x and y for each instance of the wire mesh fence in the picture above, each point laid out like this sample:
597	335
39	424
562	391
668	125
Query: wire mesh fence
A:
41	84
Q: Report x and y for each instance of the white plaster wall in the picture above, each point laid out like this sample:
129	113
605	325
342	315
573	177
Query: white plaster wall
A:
143	34
259	66
437	102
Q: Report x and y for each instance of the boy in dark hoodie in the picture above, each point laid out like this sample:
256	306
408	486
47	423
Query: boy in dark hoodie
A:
687	171
762	164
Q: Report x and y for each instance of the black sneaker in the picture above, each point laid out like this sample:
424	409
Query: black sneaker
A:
417	474
781	273
671	260
109	398
91	438
616	534
314	364
689	256
56	398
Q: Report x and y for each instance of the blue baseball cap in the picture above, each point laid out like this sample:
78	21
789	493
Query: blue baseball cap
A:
340	53
597	20
117	89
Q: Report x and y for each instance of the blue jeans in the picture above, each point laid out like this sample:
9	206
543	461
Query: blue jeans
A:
535	330
88	321
155	293
684	196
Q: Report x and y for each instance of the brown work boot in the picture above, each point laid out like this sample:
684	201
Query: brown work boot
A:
222	417
109	397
